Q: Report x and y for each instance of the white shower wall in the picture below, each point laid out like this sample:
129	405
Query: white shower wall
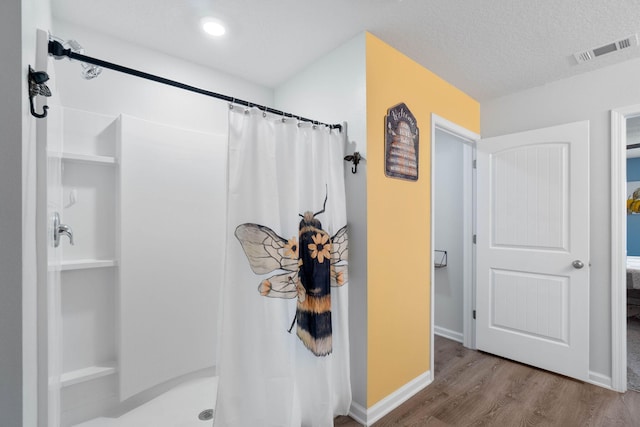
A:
171	212
95	340
114	93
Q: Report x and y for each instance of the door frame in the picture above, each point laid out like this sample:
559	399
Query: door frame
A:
619	118
43	401
470	140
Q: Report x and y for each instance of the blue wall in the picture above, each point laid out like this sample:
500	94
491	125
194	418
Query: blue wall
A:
633	221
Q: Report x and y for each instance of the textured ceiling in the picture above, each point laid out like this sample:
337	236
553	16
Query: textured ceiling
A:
487	48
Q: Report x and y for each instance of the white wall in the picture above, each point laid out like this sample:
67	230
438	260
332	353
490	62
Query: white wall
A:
19	20
11	95
588	96
113	93
333	90
448	217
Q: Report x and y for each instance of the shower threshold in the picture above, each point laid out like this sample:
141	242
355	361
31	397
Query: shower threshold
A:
180	406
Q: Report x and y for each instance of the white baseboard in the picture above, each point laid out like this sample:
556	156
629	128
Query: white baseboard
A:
358	413
448	333
600	380
369	416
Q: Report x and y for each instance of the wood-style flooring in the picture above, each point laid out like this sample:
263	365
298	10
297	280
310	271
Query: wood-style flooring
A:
472	388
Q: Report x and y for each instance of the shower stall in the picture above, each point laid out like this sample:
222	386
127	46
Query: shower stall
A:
137	233
140	209
136	217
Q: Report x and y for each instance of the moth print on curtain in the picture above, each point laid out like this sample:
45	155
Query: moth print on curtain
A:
311	267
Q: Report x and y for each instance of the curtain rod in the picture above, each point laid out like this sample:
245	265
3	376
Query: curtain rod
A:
57	50
630	146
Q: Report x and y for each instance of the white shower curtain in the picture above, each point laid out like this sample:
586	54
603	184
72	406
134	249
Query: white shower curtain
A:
278	171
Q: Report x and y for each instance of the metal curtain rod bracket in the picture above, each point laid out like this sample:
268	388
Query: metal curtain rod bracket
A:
355	159
37	86
57	50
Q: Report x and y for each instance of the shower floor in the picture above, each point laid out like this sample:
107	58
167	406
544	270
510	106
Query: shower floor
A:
178	407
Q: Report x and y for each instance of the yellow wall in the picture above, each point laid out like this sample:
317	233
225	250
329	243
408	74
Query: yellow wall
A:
398	214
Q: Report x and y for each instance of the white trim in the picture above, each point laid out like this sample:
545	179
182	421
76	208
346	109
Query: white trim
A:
448	333
358	413
367	417
618	246
600	380
468	230
397	398
458	131
618	251
39	400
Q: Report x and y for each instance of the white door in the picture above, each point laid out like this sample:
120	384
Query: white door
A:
532	300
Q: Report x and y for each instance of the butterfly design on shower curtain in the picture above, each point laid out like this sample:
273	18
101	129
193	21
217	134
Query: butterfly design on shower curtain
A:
311	265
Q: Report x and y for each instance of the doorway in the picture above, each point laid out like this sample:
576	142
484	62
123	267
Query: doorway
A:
625	175
452	228
632	239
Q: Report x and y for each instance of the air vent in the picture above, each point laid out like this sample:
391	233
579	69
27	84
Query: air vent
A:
584	56
624	43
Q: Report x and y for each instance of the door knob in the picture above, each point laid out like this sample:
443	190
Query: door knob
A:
577	264
59	229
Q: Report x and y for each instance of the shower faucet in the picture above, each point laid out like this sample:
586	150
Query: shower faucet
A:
59	229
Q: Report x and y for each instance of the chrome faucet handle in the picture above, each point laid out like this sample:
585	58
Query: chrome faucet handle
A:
59	229
67	231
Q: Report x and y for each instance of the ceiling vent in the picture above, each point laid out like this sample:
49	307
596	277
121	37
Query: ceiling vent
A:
624	43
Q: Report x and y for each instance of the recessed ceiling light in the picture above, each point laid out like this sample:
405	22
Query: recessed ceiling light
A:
213	27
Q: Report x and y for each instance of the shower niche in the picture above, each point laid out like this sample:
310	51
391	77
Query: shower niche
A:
88	268
139	287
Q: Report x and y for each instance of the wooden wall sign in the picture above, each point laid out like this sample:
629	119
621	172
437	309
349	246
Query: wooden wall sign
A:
401	143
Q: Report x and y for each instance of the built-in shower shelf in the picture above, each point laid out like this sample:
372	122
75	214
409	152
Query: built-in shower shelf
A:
81	264
86	158
86	374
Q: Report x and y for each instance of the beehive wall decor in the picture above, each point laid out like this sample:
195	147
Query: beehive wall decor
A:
401	143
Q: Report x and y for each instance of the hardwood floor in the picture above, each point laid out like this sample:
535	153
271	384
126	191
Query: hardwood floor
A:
477	389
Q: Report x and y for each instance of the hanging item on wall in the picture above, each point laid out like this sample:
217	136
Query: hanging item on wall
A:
37	86
633	197
401	143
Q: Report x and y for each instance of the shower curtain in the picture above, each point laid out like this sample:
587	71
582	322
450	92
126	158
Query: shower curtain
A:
286	270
